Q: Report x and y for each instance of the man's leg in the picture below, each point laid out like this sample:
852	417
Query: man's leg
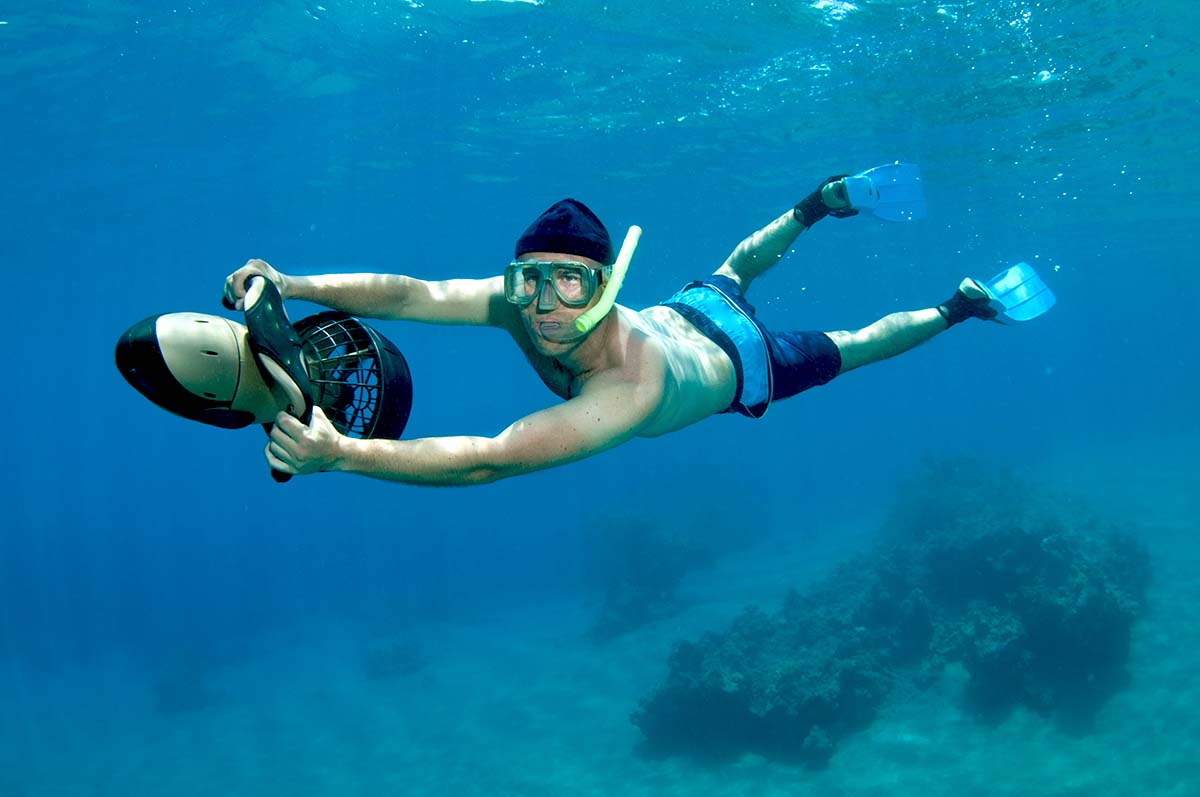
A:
764	248
897	333
761	250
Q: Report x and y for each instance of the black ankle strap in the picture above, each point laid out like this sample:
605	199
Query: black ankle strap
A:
960	307
812	208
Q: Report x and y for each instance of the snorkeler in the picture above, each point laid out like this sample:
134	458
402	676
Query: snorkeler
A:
622	373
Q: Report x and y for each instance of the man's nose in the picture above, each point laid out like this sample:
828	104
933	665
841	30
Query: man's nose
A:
547	299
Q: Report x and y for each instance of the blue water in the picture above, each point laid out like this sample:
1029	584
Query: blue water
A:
174	622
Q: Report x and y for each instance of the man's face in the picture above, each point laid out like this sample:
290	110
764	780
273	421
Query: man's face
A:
550	323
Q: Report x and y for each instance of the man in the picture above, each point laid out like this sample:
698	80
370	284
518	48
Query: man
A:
637	374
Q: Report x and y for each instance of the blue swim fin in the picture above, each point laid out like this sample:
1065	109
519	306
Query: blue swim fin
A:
892	192
1018	294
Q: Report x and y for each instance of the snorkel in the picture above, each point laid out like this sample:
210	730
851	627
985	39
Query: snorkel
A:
608	297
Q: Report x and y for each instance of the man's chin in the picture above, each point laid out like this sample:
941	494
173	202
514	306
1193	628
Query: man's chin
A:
552	348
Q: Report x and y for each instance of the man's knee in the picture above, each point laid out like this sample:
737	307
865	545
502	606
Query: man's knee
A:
853	348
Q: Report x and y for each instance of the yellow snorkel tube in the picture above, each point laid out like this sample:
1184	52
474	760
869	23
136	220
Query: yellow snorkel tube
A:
608	297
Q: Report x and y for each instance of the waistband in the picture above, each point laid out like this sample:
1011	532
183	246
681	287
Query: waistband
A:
724	321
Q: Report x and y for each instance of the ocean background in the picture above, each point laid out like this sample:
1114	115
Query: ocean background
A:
173	622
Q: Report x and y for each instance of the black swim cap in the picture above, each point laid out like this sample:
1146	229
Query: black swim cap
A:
570	228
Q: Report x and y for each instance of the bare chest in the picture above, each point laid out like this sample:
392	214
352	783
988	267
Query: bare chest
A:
561	381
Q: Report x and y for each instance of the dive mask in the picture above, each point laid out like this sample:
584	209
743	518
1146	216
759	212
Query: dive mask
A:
574	283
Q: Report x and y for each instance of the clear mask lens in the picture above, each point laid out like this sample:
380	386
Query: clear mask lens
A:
525	280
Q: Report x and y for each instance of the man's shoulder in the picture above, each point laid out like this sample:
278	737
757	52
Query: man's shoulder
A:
661	320
638	372
627	398
652	313
676	333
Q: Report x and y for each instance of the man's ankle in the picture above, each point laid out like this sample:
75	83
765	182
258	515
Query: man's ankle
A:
969	301
829	199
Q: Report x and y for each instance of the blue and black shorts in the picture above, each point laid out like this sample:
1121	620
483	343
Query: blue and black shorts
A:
769	366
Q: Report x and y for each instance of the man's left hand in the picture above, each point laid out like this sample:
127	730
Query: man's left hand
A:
298	449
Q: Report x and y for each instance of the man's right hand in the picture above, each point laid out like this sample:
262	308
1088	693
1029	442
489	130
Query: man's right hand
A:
235	283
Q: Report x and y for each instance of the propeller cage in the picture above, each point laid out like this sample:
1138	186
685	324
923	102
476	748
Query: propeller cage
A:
359	378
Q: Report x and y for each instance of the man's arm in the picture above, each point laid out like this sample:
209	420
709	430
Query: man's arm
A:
603	416
476	302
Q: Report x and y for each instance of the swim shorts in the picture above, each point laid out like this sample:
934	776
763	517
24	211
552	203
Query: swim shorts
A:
769	366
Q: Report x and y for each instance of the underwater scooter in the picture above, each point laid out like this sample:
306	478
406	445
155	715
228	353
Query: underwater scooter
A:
216	371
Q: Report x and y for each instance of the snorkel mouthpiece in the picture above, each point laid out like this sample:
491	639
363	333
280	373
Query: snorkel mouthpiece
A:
608	297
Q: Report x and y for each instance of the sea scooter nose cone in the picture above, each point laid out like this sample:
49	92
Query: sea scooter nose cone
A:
186	363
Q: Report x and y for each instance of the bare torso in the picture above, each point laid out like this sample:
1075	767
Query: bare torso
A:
697	377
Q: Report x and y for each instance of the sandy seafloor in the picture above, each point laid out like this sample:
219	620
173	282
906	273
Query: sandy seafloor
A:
521	702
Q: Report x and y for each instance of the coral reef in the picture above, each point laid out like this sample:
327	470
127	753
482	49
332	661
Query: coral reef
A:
970	568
